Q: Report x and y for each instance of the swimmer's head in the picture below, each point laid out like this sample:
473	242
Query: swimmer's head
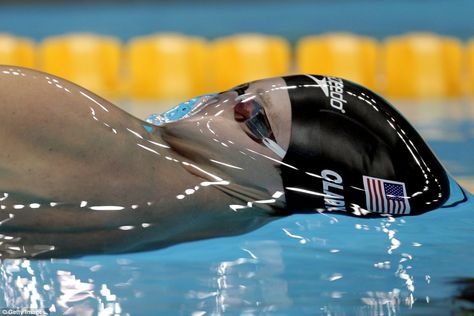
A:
369	158
327	143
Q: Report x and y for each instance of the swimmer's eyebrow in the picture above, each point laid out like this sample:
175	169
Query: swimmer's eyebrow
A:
245	97
258	95
241	89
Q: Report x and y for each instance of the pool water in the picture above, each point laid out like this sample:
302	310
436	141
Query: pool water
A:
299	265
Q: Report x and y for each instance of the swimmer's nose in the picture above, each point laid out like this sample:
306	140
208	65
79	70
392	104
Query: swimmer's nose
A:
180	111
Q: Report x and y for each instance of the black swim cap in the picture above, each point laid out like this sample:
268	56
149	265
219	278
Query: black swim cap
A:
350	151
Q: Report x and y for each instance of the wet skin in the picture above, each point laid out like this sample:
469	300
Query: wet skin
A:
81	176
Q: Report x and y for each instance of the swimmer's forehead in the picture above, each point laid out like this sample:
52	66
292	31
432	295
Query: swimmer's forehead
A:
263	87
272	94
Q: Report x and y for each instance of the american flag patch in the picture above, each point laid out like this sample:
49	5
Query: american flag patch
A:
385	196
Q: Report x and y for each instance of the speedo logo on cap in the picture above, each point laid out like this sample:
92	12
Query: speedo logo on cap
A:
333	88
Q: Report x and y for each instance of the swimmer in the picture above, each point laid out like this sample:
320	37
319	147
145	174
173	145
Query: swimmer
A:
81	176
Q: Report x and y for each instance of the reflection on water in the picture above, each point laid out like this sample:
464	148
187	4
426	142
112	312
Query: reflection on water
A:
249	284
52	287
299	265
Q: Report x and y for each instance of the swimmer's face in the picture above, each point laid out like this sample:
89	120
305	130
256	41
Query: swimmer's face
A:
240	135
